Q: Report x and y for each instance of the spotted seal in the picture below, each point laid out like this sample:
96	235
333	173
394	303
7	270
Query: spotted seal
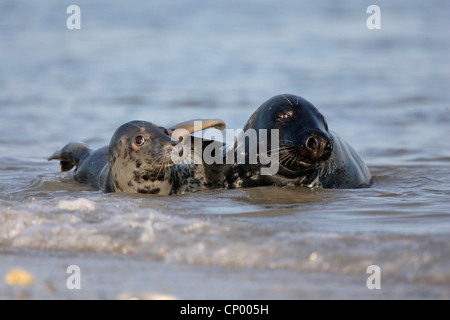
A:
139	159
308	153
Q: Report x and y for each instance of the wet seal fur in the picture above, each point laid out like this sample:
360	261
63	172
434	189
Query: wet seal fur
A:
138	160
309	154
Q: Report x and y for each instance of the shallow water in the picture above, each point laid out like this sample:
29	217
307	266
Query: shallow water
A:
385	91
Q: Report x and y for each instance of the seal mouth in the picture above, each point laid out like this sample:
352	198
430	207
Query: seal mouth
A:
291	159
160	166
153	172
156	166
298	165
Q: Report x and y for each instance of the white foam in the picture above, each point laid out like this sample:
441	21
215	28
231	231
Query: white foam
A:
79	204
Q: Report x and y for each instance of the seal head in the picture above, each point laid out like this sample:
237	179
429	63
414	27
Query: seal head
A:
140	158
304	139
307	152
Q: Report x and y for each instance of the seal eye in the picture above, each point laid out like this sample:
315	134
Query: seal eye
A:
139	140
285	115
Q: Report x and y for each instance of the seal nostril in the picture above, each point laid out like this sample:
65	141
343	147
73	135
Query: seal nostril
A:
311	143
180	153
329	146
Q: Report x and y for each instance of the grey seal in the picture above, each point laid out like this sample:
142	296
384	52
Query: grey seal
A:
308	153
139	159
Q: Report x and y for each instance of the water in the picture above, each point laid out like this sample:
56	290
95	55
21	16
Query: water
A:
385	91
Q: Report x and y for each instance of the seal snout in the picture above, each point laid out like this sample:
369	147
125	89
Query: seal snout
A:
319	147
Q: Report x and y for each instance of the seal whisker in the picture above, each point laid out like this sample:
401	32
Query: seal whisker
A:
308	153
290	159
161	167
288	100
128	166
285	157
278	151
169	170
293	159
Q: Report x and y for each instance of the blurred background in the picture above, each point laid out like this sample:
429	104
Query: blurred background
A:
170	61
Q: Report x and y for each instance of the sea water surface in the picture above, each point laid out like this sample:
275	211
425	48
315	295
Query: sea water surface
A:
385	91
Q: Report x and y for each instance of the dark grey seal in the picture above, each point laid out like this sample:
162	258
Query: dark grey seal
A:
139	159
308	154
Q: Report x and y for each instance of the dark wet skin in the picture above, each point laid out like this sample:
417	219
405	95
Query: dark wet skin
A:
309	153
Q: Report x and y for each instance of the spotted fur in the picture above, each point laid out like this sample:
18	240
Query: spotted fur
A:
124	166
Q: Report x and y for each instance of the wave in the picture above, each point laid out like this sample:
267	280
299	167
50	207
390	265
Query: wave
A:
113	226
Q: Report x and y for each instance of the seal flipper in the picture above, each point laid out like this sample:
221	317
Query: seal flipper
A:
70	155
191	128
211	175
91	167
